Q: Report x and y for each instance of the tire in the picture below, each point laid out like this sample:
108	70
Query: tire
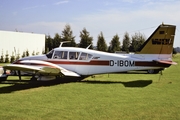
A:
152	71
3	77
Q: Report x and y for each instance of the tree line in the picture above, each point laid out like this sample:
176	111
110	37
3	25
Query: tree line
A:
9	59
129	44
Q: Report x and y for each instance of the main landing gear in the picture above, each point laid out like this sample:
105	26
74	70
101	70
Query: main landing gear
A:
151	71
3	74
33	78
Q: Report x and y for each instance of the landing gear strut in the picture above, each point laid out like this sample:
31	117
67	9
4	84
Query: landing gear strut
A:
33	78
19	74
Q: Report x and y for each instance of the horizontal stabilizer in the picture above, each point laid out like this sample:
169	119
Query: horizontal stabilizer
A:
166	62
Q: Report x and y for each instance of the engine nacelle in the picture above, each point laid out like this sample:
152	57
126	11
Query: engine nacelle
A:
3	76
1	71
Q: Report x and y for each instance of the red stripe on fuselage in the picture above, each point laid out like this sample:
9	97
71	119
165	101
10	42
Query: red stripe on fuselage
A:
93	62
34	64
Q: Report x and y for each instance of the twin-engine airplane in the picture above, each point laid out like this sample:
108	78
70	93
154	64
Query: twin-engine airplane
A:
154	56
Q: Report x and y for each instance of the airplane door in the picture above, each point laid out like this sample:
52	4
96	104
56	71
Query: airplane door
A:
84	58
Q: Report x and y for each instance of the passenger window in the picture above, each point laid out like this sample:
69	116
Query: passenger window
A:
60	55
73	55
85	56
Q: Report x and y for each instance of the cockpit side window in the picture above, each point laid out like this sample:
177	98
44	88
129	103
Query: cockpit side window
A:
85	56
57	55
60	55
73	55
49	54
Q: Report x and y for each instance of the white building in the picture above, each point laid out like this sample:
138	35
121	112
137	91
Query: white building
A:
14	43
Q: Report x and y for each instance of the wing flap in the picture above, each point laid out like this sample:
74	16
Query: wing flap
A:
57	71
49	70
69	73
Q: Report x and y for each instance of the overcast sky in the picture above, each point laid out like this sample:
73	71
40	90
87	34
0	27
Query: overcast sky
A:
109	16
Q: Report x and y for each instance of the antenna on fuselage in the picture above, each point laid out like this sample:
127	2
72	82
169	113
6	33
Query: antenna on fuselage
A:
61	43
88	46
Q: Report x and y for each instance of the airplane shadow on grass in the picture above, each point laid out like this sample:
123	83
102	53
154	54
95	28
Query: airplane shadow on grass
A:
135	83
14	85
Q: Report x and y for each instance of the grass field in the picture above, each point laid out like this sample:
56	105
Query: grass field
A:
105	97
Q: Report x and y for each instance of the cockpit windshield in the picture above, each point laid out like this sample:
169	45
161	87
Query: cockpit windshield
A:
60	55
49	54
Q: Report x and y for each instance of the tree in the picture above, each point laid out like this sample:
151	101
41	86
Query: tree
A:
33	53
24	54
27	53
56	40
67	35
37	53
43	52
48	44
12	58
137	41
101	44
126	42
86	40
7	57
176	50
17	55
2	58
114	44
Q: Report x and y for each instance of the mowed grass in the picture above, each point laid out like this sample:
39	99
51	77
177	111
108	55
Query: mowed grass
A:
105	97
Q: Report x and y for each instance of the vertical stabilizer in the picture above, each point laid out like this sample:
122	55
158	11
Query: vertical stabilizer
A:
160	42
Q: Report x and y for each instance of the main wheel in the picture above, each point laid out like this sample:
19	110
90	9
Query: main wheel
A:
152	71
3	77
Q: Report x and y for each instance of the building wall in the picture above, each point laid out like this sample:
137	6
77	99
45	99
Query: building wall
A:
18	42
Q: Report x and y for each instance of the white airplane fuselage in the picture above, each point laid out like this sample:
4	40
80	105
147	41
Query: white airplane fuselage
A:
100	62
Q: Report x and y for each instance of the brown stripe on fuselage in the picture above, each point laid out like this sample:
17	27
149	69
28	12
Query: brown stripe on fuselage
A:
150	64
107	63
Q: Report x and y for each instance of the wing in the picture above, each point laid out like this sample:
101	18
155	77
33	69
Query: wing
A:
41	67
